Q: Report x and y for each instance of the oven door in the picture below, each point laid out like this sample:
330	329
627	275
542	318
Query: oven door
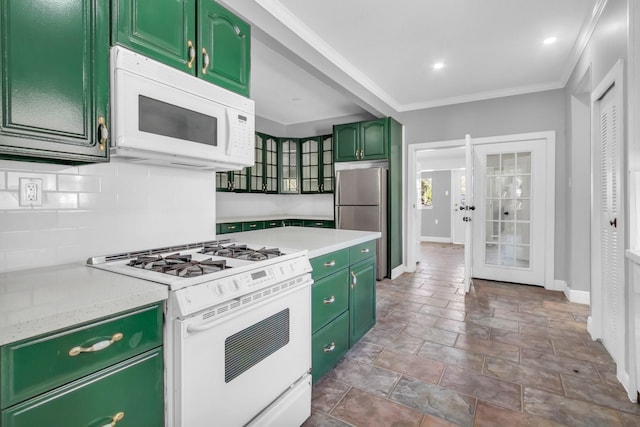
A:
229	369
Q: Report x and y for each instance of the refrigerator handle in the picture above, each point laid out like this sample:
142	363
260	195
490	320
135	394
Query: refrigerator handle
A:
338	218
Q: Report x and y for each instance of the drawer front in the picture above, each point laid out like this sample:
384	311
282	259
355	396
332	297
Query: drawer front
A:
318	224
294	222
329	263
255	225
230	227
329	298
133	389
34	366
328	345
273	224
362	251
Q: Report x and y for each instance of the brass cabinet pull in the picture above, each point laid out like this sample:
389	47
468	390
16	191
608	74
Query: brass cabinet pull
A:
253	225
103	133
205	61
354	280
191	51
330	348
332	263
101	345
329	300
117	417
364	251
231	227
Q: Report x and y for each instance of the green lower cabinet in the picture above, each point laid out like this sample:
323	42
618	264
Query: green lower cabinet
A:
254	225
36	365
294	222
362	298
330	297
230	227
274	224
328	345
130	393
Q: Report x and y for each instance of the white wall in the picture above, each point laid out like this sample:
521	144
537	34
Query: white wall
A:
534	112
607	44
239	205
101	209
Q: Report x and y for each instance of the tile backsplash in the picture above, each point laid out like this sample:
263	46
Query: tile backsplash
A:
101	209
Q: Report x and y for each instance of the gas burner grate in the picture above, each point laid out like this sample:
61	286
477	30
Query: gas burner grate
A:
178	265
242	252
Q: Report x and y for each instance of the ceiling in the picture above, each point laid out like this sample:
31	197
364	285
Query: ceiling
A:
314	60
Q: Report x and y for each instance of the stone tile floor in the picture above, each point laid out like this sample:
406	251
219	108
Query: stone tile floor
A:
504	355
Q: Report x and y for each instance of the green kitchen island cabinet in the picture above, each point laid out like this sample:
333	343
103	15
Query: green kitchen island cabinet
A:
55	80
93	374
199	37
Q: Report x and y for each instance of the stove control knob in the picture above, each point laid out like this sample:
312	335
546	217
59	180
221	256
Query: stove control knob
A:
235	285
220	289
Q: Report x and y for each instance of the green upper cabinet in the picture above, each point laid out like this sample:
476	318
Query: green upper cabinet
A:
264	173
289	166
224	47
361	141
55	80
316	160
237	181
165	30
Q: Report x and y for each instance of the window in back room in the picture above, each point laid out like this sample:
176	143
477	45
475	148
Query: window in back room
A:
426	192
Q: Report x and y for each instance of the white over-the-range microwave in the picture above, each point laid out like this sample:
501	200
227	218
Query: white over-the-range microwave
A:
164	116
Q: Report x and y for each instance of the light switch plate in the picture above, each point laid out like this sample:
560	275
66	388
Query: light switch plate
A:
30	192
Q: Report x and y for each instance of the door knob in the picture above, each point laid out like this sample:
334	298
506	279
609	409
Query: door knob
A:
614	222
506	213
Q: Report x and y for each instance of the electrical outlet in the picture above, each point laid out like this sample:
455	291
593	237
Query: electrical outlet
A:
30	192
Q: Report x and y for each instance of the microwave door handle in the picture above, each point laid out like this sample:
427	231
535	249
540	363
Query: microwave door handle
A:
227	140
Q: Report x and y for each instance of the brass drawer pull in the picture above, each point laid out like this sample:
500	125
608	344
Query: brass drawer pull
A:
117	417
253	225
231	227
330	348
364	251
332	263
101	345
329	300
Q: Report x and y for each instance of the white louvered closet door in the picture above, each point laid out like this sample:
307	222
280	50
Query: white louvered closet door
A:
611	239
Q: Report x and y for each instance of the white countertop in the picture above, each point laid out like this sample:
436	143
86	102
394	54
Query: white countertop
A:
272	217
42	300
318	241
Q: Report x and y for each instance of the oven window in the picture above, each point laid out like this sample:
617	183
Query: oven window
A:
165	119
250	346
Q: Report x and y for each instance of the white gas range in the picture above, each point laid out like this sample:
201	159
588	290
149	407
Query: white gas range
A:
237	332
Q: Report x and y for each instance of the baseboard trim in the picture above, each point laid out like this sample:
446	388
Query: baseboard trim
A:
435	239
397	272
579	297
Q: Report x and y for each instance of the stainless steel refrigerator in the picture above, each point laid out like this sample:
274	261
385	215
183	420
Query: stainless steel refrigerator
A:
361	204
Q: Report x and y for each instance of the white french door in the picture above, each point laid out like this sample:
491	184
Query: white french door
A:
509	220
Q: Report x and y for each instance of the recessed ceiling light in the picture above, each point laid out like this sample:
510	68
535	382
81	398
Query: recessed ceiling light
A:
438	66
550	40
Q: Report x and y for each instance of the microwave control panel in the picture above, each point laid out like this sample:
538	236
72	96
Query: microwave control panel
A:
242	139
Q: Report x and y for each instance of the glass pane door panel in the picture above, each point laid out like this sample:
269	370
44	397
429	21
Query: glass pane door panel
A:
508	209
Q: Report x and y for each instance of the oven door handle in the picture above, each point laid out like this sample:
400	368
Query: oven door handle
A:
201	327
